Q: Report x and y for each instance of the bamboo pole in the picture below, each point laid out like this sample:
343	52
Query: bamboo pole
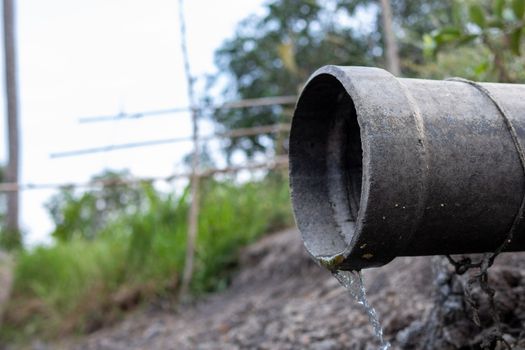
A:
275	163
235	133
240	104
193	216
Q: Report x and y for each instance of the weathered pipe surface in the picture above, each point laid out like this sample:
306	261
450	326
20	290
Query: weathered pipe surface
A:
383	167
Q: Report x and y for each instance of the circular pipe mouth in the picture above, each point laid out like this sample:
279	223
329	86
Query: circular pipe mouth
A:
326	167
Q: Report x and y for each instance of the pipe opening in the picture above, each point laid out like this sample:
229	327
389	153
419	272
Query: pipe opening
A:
326	166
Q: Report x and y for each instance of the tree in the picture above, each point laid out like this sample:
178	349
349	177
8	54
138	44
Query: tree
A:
274	54
410	21
12	227
492	28
84	214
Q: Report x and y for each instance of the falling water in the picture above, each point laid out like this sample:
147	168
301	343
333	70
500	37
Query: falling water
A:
353	282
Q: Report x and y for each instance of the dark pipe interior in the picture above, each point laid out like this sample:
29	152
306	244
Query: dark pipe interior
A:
353	153
326	157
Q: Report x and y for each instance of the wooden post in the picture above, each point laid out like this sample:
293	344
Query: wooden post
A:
392	52
193	216
12	117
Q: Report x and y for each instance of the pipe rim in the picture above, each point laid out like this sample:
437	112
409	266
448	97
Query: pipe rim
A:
383	108
349	206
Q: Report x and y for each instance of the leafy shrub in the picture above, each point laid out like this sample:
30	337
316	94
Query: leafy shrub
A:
79	284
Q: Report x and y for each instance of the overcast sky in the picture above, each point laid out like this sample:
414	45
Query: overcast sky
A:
98	57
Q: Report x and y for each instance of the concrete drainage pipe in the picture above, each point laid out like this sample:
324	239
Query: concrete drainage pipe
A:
383	167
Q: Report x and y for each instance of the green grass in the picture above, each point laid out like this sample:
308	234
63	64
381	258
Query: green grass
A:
78	285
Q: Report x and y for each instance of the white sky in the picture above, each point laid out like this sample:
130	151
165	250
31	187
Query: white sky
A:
96	57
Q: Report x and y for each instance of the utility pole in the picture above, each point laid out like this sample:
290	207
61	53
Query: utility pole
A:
11	89
392	52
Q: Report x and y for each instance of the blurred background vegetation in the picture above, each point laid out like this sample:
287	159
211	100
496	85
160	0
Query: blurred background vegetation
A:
273	55
115	247
103	264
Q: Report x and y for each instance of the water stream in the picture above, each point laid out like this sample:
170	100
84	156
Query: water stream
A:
353	282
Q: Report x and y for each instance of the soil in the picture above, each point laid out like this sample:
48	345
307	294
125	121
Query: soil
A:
280	299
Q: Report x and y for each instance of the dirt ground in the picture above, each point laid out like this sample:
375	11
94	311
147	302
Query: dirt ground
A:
281	300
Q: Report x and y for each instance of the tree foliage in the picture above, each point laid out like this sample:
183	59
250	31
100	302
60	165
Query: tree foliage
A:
273	54
494	29
83	214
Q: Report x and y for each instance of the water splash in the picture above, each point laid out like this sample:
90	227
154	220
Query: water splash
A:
353	282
